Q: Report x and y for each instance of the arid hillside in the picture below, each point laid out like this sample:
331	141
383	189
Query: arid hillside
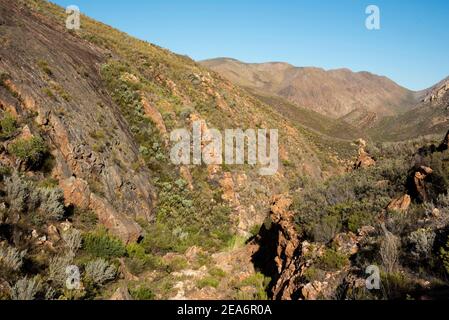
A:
87	180
361	98
429	117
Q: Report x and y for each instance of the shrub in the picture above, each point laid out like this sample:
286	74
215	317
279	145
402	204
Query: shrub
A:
135	250
444	255
57	269
43	65
312	274
332	260
326	230
142	293
8	126
389	251
17	191
397	285
101	244
52	202
208	282
23	196
358	220
25	289
177	264
99	271
72	240
217	272
421	242
11	258
259	282
31	151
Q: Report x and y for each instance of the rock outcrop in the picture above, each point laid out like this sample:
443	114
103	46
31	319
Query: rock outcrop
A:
87	134
288	259
437	92
400	204
417	183
77	192
364	160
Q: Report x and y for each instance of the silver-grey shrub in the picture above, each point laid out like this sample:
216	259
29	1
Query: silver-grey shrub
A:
100	271
57	269
421	242
25	289
72	240
11	258
17	191
52	202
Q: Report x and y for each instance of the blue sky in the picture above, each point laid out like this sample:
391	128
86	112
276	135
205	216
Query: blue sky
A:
412	46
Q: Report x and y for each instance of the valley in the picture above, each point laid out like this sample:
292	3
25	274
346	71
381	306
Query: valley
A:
88	181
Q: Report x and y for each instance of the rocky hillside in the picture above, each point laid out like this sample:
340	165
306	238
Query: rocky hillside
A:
86	178
362	98
429	117
389	215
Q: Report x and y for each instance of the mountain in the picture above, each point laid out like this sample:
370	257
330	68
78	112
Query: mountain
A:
429	117
86	176
87	183
358	97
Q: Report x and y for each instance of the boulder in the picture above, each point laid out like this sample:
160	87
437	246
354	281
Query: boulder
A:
400	204
120	225
364	160
419	185
53	233
346	243
313	291
77	193
122	294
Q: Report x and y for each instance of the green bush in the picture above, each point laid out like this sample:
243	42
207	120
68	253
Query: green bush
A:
312	274
332	260
32	151
444	255
259	282
217	272
142	293
100	244
43	65
208	282
8	126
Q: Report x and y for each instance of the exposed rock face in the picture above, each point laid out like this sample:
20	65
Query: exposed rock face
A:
280	249
346	243
419	188
156	117
437	92
314	290
287	259
77	192
400	204
364	160
88	135
121	294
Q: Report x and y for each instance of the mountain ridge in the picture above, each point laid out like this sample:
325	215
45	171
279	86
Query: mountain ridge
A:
334	92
